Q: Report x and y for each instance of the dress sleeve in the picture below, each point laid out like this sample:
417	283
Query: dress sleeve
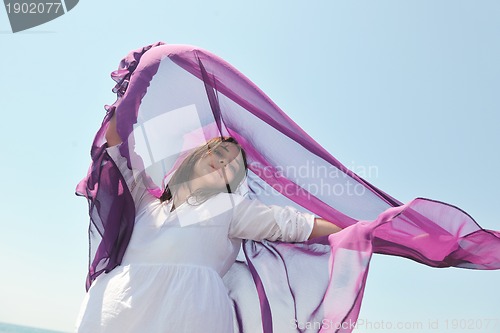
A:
137	189
257	221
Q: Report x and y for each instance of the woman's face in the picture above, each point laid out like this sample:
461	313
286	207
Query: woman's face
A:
219	167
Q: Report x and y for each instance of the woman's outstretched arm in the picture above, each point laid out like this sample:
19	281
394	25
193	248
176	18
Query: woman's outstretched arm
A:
323	228
112	137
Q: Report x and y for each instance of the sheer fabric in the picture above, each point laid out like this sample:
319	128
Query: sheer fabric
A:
173	98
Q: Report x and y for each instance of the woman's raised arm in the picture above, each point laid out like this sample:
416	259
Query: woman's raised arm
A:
112	137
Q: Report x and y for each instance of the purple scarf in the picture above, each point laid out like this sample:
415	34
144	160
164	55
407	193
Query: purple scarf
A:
177	94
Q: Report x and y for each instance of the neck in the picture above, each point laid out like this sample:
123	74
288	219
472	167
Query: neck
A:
181	193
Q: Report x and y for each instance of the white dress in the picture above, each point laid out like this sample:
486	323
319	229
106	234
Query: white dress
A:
170	279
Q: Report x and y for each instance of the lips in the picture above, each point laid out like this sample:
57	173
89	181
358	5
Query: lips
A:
218	170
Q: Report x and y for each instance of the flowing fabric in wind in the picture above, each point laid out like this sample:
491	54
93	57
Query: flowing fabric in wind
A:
173	98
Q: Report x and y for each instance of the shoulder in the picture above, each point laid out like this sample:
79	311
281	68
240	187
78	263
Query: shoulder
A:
227	202
114	152
226	199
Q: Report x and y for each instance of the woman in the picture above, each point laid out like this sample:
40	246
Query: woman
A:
166	275
170	279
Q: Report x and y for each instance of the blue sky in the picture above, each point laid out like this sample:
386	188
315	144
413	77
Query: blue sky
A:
406	89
